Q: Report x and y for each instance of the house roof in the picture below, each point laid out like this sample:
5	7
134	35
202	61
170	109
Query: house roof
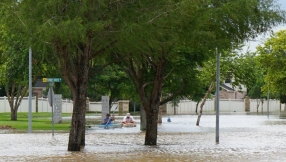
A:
40	84
226	87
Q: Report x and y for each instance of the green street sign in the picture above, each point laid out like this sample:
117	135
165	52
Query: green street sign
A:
52	79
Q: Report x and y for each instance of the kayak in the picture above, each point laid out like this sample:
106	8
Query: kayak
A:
129	125
107	126
117	125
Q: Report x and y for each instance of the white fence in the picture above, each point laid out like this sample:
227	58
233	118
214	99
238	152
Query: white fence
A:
96	107
184	107
43	105
225	105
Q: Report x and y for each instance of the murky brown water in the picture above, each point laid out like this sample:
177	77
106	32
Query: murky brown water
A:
243	138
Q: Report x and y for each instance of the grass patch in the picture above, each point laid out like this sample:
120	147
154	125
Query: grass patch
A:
40	121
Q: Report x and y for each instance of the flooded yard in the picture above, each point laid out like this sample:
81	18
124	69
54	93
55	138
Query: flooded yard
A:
242	138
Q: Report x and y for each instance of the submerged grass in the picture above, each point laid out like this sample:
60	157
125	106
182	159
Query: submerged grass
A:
40	121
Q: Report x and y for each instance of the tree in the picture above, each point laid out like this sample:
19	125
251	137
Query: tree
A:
271	58
200	26
14	69
251	76
228	70
78	33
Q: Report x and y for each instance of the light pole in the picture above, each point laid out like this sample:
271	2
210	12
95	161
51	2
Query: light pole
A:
268	100
30	91
268	91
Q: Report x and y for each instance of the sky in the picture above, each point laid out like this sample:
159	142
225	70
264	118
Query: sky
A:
251	45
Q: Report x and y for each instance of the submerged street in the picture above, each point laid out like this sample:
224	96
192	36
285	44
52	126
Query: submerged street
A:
241	138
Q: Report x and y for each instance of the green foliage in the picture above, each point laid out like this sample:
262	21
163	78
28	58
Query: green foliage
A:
2	90
184	71
283	99
111	81
272	59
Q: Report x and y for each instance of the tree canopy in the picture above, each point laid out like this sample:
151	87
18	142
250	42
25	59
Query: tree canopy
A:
271	57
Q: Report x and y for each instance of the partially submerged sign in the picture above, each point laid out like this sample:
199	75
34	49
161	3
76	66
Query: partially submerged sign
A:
57	108
105	106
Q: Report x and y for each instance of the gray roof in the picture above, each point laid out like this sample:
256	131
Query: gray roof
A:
40	84
226	87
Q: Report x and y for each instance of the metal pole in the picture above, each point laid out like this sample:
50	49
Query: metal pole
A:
30	92
52	103
217	96
268	89
268	101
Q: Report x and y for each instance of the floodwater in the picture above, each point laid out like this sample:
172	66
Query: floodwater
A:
242	138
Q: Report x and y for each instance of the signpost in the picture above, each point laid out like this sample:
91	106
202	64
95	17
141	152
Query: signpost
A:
30	91
51	102
51	98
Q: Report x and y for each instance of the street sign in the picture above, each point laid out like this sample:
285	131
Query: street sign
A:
52	79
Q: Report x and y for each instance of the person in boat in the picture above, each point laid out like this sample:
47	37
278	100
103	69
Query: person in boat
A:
128	119
108	119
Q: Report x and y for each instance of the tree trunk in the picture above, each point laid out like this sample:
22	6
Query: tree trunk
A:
151	127
142	119
204	100
151	105
77	131
14	114
37	103
160	115
15	100
197	105
77	82
262	106
257	104
150	92
201	111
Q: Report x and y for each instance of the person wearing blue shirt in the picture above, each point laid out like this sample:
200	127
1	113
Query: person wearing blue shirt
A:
108	119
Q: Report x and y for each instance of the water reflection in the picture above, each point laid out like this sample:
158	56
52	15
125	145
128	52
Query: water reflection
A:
242	138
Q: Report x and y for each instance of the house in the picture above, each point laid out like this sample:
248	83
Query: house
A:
227	92
39	88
